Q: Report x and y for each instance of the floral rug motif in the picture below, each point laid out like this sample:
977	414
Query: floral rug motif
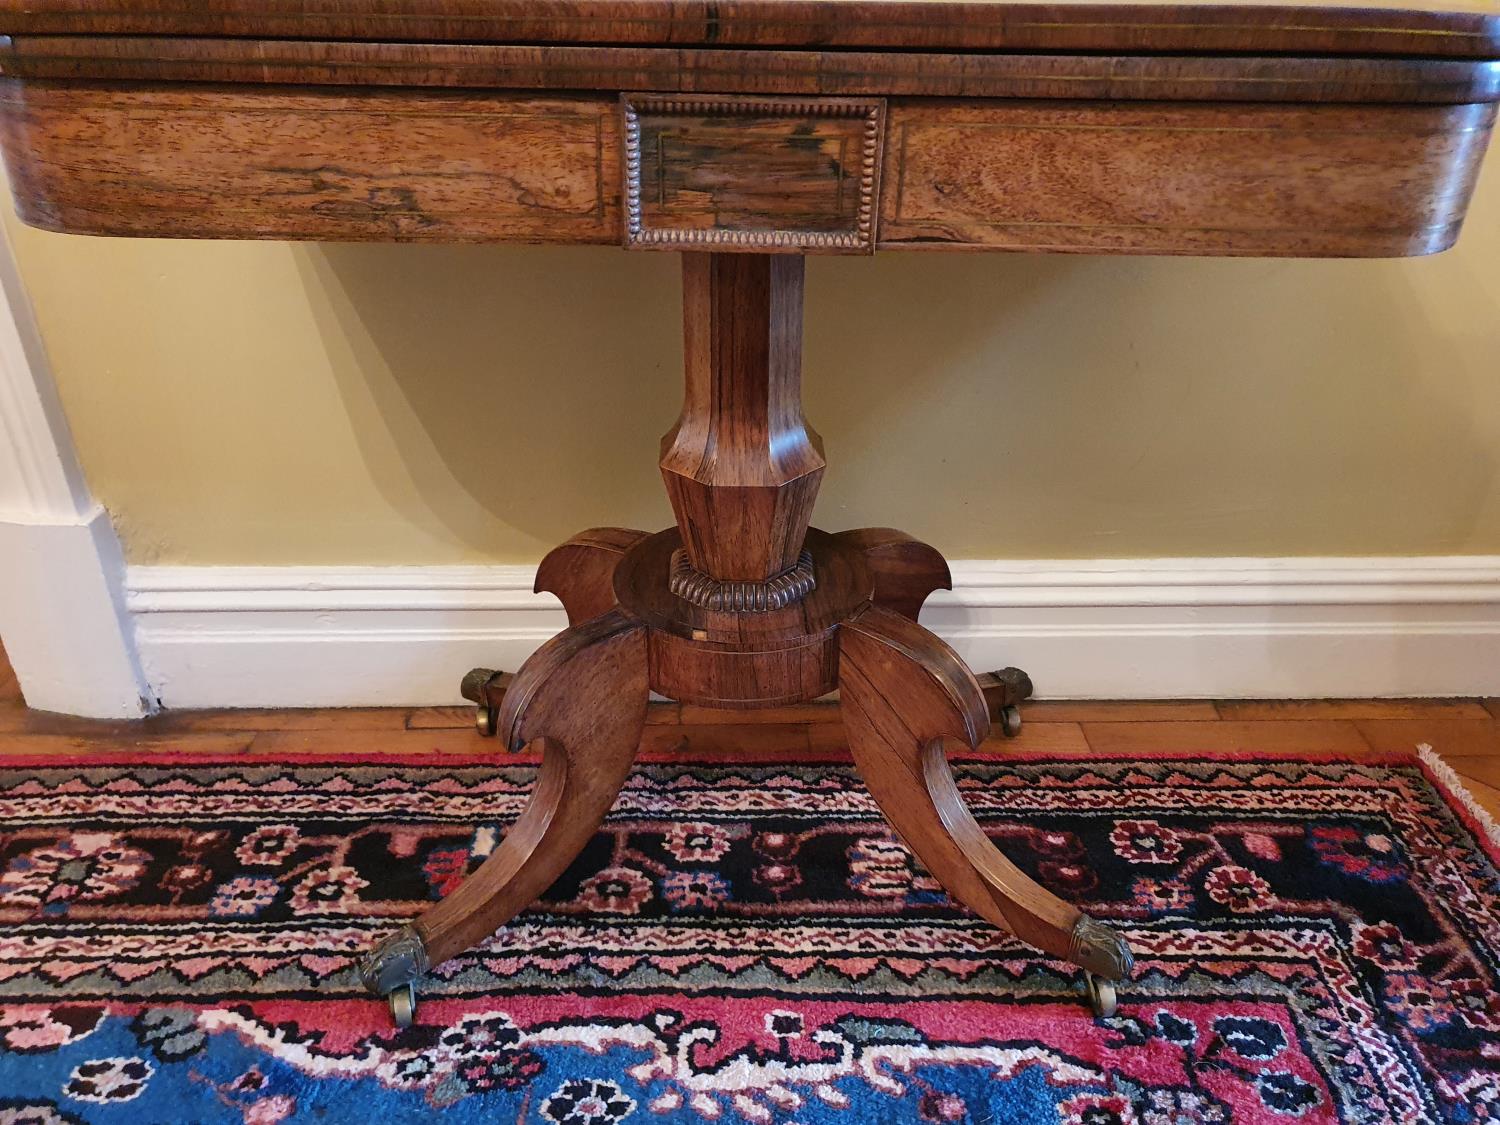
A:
1317	941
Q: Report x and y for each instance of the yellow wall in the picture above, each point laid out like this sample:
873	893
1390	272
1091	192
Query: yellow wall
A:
267	403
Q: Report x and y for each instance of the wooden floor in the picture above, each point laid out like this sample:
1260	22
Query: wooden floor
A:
1466	732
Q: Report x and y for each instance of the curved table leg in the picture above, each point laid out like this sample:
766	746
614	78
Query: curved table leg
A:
905	570
582	698
905	693
581	572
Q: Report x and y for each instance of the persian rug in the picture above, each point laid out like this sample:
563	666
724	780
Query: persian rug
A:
745	942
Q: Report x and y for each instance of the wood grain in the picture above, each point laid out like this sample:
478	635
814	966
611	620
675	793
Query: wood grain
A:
580	699
1116	711
1483	767
723	659
742	466
581	572
407	165
906	570
735	173
754	71
1180	178
128	743
1446	736
1417	28
286	163
905	694
1487	797
1323	736
1414	709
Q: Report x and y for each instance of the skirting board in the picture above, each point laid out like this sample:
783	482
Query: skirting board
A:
66	634
1101	629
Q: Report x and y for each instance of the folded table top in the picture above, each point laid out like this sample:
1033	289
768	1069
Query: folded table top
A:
1453	29
1314	129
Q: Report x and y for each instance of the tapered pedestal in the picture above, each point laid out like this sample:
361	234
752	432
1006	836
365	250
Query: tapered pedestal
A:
741	606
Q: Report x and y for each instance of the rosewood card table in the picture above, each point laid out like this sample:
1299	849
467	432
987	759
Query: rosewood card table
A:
746	134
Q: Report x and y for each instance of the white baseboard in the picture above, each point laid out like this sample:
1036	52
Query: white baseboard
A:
65	629
1160	628
61	573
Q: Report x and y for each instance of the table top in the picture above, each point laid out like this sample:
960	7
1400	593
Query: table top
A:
796	126
1460	29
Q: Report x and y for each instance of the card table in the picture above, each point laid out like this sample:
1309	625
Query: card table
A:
746	134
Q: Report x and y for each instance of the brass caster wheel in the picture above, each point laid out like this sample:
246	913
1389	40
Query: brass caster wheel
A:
1003	692
403	1002
391	970
485	688
1101	995
1010	721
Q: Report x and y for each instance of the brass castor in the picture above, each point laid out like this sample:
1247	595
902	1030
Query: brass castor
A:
1003	692
391	970
1105	957
1010	721
1101	994
485	688
403	1002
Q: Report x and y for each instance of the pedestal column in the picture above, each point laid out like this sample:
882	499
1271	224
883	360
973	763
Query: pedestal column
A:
741	465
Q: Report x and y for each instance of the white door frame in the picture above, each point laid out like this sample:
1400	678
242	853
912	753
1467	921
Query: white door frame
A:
62	576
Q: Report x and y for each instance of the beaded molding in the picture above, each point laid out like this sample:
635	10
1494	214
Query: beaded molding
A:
692	585
862	237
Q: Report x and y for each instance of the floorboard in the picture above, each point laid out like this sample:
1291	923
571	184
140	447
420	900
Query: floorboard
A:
1294	709
1466	732
1226	736
1447	737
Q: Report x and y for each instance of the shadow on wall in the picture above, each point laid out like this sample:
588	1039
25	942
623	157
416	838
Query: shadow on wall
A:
997	405
530	386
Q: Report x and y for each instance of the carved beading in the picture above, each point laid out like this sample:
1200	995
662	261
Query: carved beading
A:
860	238
692	585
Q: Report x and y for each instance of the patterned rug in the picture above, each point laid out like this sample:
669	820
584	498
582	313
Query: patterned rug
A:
1317	941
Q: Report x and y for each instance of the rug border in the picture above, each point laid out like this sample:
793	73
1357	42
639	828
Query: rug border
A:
1438	773
1446	780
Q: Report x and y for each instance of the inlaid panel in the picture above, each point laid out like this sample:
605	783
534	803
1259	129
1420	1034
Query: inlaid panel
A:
1180	178
271	163
733	173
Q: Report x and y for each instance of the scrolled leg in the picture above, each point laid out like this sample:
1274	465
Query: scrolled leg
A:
905	694
581	699
581	572
905	570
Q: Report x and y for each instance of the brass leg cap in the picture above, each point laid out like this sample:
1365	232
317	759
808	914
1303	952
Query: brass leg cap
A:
395	963
1100	949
